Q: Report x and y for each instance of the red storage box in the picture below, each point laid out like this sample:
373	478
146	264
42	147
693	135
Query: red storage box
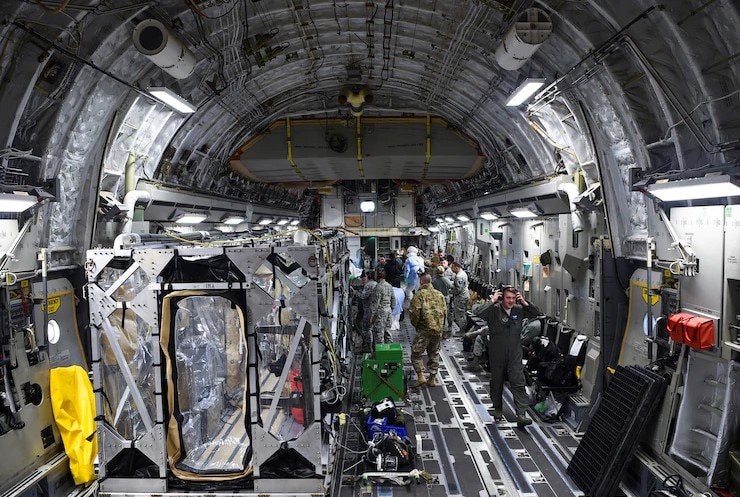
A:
695	331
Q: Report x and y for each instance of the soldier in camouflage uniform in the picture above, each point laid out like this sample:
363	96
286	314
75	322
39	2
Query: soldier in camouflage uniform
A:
381	305
460	296
443	284
428	315
365	295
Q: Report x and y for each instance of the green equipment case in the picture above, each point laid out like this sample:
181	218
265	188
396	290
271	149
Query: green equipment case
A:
382	375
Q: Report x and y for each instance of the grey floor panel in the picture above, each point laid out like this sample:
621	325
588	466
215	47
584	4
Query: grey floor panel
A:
437	491
462	447
441	405
446	463
544	490
432	467
467	476
507	456
473	434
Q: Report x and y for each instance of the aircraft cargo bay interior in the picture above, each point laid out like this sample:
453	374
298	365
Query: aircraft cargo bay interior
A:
369	248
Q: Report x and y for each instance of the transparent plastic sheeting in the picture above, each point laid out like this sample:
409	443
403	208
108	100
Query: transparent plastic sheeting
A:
137	134
707	421
72	153
133	335
294	405
210	356
285	411
289	276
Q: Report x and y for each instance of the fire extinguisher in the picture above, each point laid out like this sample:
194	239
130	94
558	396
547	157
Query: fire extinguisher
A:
296	395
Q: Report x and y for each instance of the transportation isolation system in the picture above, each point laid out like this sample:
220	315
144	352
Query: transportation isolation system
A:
369	248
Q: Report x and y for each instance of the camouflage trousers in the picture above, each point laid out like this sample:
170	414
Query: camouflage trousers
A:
448	321
429	342
381	329
367	334
480	346
458	310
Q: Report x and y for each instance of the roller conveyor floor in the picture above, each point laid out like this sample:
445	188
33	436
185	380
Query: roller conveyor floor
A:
463	452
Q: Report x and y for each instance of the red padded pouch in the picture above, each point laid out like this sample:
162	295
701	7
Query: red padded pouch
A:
695	331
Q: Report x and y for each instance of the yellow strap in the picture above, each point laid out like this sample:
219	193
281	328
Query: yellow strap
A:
429	147
359	149
290	151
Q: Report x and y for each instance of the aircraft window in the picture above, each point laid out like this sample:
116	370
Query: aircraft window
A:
53	332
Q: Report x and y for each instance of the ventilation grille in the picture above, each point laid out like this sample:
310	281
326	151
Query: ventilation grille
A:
611	439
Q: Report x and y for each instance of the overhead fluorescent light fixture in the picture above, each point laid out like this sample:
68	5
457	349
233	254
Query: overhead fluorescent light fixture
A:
434	229
295	222
440	220
524	91
233	220
265	221
524	211
171	99
367	206
283	222
190	217
463	218
449	219
488	216
14	202
714	186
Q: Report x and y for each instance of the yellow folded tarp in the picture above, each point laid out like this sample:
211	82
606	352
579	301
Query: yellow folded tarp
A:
74	412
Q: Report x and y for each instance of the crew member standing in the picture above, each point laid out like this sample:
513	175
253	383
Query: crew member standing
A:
413	266
460	296
365	295
381	305
394	270
443	284
505	318
428	312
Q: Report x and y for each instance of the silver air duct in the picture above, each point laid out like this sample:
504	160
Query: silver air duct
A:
131	200
531	29
154	40
576	216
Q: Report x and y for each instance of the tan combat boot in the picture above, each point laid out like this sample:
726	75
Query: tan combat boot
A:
420	380
432	380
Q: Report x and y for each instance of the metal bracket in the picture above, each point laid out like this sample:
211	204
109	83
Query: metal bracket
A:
248	260
688	264
151	444
153	261
111	444
304	303
97	260
101	306
145	306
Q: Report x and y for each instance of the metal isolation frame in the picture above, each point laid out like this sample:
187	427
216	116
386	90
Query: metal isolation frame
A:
293	296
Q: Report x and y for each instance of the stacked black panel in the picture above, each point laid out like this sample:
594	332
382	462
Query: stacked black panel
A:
599	463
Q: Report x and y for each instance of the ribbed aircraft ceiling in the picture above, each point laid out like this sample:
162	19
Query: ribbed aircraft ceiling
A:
631	83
